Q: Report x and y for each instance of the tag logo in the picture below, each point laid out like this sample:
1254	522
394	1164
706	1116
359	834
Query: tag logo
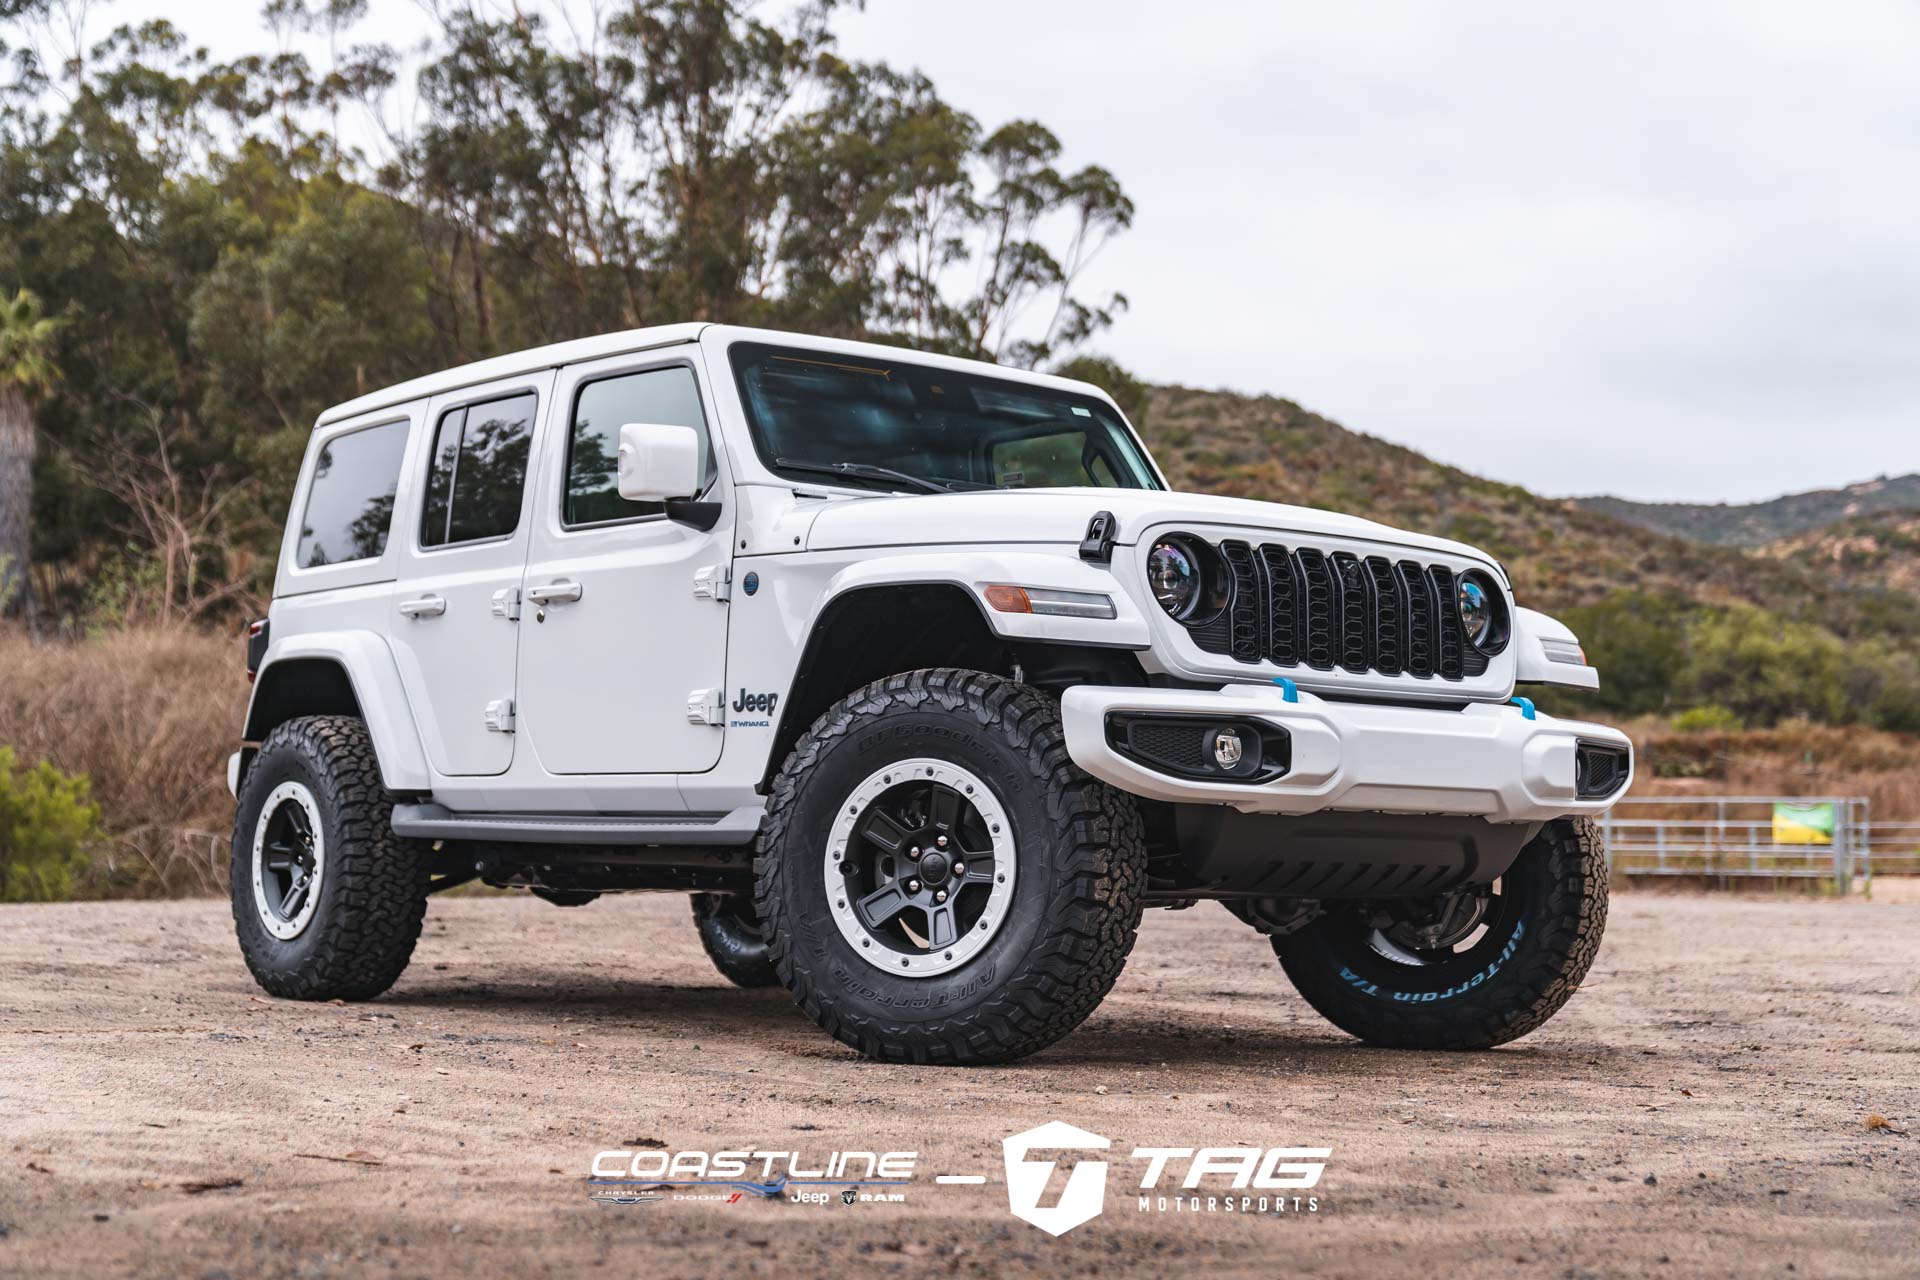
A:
1085	1192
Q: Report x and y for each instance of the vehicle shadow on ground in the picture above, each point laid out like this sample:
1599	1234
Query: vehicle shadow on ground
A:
1119	1042
768	1019
599	998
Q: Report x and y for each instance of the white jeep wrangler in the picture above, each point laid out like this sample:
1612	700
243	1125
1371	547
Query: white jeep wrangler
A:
913	671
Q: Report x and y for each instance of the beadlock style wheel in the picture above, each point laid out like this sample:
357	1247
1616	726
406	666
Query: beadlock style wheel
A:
289	860
327	900
937	881
921	866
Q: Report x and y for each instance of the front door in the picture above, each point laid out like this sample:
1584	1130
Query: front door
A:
618	637
450	621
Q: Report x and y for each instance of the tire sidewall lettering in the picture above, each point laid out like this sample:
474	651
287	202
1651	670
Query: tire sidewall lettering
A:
1457	989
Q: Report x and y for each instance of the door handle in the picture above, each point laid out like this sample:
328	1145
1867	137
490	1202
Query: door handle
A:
561	592
424	607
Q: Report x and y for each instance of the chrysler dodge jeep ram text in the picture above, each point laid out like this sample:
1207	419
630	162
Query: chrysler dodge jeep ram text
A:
917	676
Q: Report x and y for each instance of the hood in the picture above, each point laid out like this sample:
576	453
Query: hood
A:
1061	515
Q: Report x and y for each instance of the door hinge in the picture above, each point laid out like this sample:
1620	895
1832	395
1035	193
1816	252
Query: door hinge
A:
499	715
707	706
714	582
506	604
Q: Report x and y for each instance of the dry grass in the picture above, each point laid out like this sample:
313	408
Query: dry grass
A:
1792	759
150	717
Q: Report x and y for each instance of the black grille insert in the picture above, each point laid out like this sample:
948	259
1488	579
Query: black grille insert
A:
1296	606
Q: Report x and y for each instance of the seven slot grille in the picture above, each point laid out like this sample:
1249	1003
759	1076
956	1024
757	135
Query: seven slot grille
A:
1302	607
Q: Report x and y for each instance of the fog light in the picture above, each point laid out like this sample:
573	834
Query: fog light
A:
1227	749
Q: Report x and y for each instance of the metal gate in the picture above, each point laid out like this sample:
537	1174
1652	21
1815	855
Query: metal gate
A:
1720	836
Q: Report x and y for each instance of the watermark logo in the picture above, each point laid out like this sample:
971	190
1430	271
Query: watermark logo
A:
728	1176
1175	1179
1057	1177
1085	1192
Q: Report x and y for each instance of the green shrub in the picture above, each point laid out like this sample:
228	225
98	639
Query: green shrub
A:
1729	666
1711	718
49	828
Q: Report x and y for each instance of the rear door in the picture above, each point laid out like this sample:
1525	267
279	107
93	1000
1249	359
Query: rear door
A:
451	622
622	629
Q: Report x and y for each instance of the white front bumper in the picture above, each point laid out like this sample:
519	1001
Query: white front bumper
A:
1488	760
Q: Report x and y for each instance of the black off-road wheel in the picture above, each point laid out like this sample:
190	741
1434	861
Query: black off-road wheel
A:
1467	971
730	931
939	882
327	900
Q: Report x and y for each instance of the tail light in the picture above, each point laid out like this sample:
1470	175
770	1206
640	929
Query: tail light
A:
256	647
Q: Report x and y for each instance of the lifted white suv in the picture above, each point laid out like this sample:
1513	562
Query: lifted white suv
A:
913	671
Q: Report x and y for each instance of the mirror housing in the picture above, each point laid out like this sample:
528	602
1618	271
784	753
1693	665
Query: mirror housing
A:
658	463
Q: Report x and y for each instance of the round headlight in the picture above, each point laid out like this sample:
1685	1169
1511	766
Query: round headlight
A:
1174	575
1476	614
1483	613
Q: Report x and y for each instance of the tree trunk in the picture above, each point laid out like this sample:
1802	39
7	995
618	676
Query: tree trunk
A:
16	495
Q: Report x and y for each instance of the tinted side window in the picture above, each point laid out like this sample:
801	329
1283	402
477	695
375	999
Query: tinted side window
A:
350	503
479	468
668	396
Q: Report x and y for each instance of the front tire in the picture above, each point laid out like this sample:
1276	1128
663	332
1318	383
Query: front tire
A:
940	883
327	900
1363	965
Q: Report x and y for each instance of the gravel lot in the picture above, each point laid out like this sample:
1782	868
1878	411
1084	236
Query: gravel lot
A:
1699	1109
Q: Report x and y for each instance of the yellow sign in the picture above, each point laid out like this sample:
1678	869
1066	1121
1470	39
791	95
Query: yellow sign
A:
1803	824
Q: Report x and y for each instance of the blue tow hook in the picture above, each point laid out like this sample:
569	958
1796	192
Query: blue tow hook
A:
1289	690
1526	708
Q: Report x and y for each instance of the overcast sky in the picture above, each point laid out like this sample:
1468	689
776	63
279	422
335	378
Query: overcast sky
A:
1662	250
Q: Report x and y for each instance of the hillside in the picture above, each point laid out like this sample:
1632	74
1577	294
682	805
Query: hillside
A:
1759	523
1880	550
1561	553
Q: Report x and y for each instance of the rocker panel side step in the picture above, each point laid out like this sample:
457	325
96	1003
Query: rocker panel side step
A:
437	822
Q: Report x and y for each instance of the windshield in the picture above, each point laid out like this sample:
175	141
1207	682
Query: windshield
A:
892	425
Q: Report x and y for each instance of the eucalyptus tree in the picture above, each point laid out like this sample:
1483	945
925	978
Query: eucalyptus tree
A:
26	372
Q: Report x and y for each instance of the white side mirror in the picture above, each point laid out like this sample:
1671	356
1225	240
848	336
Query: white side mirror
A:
658	462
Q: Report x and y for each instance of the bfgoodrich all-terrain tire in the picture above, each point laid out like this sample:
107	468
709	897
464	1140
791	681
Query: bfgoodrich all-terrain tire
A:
1537	938
730	931
327	900
939	882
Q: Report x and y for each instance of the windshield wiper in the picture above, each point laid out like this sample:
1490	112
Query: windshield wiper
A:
870	471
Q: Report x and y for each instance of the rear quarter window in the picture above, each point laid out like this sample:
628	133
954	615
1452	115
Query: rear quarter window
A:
350	500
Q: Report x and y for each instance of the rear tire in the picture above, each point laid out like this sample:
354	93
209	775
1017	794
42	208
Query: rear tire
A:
940	882
327	900
730	931
1538	941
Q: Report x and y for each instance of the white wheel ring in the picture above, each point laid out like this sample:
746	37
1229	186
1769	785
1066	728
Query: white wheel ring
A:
1000	897
292	926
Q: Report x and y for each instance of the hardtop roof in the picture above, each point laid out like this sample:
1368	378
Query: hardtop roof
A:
506	366
628	341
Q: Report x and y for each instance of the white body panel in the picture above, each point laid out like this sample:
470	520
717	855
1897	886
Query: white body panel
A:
600	684
604	679
1545	651
458	658
1488	760
349	627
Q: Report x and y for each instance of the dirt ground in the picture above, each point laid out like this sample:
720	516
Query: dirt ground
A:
1699	1109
